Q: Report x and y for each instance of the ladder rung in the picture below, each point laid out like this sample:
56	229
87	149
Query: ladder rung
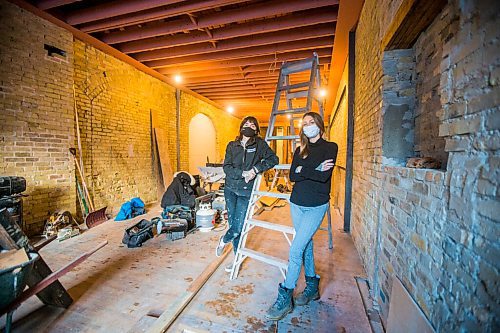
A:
294	86
288	111
298	94
279	195
282	166
265	258
283	137
272	226
297	66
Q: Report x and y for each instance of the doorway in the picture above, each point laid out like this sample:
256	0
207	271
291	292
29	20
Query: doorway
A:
201	142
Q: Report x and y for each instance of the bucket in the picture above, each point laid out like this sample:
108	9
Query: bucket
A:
204	218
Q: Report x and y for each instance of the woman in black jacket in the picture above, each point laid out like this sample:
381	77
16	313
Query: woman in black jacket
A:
246	157
311	172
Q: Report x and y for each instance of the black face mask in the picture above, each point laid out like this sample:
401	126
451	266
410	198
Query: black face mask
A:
248	132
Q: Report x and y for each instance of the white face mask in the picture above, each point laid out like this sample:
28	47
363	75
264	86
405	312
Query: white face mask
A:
311	130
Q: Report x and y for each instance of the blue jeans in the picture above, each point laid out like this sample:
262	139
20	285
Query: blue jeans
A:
306	221
236	204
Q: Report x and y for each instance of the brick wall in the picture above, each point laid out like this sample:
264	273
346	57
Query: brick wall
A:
435	230
36	117
116	103
338	134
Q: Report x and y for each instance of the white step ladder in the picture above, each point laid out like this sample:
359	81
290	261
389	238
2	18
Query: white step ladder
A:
292	92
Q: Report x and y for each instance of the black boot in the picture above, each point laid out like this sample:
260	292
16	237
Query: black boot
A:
283	304
311	291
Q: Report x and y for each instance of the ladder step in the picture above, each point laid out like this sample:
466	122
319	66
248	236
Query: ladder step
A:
265	258
282	166
290	111
272	226
279	195
283	137
298	94
297	66
294	86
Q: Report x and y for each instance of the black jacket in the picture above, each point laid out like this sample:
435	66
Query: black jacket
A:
179	192
238	159
312	187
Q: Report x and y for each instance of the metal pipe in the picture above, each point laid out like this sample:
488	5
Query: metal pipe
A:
178	125
350	132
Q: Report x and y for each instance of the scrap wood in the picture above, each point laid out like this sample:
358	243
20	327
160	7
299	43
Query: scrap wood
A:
162	146
6	242
168	317
12	258
38	287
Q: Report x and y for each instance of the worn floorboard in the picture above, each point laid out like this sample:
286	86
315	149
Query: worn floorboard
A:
116	287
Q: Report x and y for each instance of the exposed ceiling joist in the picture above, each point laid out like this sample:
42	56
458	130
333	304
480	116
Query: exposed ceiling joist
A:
114	8
48	4
251	51
325	15
266	59
155	14
250	12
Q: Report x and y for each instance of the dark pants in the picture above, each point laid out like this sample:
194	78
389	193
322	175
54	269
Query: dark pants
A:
236	204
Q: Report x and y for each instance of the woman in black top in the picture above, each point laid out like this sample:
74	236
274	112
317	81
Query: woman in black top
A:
245	157
311	172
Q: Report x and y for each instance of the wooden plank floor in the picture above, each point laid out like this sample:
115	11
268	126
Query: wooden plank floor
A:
116	288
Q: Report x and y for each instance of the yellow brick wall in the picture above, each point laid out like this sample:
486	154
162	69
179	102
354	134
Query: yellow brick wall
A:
36	113
115	102
338	134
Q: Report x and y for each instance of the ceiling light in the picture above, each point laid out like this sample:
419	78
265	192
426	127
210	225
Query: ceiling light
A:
230	109
322	92
178	78
289	116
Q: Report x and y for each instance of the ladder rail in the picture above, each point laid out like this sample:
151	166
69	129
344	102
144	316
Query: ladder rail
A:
283	85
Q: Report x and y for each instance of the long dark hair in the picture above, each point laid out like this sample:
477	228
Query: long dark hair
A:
304	140
254	121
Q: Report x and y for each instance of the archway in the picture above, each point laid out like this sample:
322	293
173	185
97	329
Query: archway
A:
201	142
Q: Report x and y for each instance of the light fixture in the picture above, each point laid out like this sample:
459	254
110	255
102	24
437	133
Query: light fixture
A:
289	116
322	92
177	78
230	109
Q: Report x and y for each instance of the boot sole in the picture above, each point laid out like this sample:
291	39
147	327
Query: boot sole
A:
279	318
309	301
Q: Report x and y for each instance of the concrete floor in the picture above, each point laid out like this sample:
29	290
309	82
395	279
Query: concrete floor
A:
114	289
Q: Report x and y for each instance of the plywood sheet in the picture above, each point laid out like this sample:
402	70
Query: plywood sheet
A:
12	258
162	146
404	314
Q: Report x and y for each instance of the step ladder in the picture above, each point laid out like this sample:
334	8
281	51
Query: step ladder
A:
292	92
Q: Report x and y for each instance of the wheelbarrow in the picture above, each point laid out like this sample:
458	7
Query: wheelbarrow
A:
13	281
15	300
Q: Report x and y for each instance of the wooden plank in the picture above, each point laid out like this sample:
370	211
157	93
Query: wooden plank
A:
174	310
404	313
55	294
166	166
6	242
12	258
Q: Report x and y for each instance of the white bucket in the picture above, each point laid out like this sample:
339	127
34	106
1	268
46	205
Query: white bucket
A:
204	218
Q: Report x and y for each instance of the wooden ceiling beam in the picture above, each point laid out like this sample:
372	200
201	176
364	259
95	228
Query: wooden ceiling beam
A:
308	18
233	70
266	59
270	38
307	44
114	8
48	4
155	14
250	12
